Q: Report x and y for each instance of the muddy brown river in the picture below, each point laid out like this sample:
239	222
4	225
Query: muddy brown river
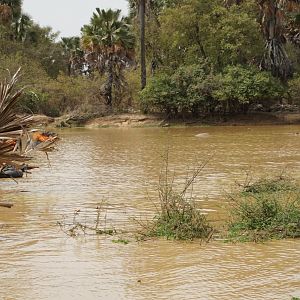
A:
121	167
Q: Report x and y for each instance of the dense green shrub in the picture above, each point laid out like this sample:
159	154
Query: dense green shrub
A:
159	95
294	90
241	86
195	88
188	90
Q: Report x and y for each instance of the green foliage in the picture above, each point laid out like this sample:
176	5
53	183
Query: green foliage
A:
53	97
246	85
294	89
160	95
178	217
181	221
188	90
195	88
271	185
233	36
202	56
68	94
270	208
207	29
109	42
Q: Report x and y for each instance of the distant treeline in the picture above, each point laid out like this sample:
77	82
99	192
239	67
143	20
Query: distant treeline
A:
202	58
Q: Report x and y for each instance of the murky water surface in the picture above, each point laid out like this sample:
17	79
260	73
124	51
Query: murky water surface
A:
38	261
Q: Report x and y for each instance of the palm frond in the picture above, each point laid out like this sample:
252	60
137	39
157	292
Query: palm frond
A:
14	136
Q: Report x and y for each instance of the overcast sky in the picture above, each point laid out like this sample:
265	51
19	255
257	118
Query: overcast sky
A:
67	16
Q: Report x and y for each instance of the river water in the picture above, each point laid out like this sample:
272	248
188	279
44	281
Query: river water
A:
121	168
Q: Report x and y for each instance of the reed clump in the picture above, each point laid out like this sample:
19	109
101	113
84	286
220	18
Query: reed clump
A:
266	209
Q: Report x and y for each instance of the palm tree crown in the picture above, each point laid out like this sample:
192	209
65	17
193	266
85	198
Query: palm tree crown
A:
108	43
107	32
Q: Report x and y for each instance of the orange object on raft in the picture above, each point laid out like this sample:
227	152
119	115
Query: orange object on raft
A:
43	137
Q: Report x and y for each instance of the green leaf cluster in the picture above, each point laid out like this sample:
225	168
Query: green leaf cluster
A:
198	89
247	85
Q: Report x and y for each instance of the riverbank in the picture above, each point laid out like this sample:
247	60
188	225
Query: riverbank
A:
142	120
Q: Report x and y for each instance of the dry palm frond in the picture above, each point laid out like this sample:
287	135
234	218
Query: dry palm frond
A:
14	135
11	125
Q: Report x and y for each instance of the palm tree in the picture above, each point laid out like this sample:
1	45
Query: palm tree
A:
108	43
11	15
138	8
274	27
21	27
74	54
142	6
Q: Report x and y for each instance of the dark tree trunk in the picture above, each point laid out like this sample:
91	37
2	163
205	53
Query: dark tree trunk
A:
109	84
143	48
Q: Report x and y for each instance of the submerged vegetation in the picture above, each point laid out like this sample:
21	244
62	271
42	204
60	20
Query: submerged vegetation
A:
77	226
178	216
266	209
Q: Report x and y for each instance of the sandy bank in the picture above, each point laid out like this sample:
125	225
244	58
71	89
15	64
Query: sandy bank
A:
141	120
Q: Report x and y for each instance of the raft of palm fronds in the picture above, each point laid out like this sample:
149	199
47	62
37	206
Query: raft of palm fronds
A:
15	138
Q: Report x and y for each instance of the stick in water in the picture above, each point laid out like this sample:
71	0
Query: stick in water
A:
7	205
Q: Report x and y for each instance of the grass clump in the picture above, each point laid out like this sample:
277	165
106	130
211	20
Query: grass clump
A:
268	185
266	209
121	241
177	215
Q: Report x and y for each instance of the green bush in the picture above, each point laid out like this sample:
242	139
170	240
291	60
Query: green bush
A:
181	220
159	95
54	97
196	89
177	216
294	90
188	90
269	185
241	86
269	208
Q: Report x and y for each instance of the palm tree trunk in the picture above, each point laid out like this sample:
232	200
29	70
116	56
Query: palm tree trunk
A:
143	48
109	85
275	58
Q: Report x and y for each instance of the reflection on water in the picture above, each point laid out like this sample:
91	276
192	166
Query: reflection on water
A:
37	261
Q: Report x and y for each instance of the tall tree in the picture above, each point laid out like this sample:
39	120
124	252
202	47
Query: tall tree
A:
273	22
142	13
108	43
138	10
74	54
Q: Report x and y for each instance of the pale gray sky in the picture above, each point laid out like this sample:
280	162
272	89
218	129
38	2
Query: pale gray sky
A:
68	16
